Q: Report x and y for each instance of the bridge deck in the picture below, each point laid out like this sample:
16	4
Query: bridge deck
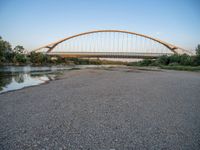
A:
109	54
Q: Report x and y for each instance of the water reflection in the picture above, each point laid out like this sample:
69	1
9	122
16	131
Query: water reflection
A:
4	80
10	81
19	78
13	78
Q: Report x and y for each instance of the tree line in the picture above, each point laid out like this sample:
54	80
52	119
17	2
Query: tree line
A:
18	55
172	60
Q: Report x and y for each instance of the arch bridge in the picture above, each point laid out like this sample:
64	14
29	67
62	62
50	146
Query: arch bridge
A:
111	44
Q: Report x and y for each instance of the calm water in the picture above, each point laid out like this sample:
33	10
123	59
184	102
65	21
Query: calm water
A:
13	78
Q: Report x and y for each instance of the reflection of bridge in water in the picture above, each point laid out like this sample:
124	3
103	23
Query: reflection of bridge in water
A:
111	44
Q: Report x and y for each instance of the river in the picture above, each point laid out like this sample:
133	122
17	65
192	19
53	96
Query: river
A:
18	77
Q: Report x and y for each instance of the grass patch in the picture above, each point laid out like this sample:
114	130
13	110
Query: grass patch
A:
183	68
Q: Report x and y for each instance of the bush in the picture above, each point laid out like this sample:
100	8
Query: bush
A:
196	60
19	58
145	62
185	60
39	58
174	59
59	60
174	64
132	64
185	68
163	60
198	49
9	57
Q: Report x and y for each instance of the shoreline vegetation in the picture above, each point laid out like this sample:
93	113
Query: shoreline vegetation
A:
173	62
18	56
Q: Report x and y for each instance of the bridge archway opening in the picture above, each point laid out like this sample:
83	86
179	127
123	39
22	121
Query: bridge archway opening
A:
110	42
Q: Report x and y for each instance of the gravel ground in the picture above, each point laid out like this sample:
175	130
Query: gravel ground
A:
109	109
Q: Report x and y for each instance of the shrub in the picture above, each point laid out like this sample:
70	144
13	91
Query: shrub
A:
185	60
39	58
19	58
9	57
174	64
198	49
174	59
196	60
145	62
163	60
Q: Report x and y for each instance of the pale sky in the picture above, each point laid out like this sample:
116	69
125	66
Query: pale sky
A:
33	23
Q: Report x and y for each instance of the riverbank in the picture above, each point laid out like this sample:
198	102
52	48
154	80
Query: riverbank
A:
182	68
104	108
18	77
177	68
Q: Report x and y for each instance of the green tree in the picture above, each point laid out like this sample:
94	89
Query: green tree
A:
175	59
185	60
39	58
19	49
198	49
196	58
9	57
163	60
20	58
5	48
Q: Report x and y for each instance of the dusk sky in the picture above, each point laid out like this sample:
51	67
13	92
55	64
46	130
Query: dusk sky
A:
33	23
